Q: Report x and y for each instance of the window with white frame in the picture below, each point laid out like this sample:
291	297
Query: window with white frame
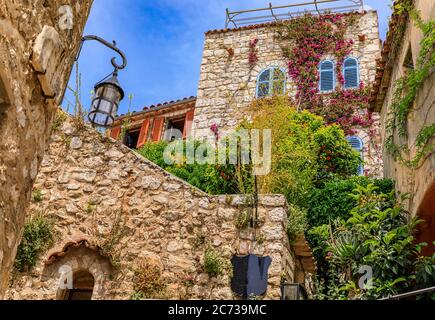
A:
326	76
351	73
358	145
271	82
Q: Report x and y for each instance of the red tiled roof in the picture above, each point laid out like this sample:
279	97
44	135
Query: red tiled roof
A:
57	253
160	106
388	53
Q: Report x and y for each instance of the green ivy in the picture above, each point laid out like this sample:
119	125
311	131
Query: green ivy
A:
405	93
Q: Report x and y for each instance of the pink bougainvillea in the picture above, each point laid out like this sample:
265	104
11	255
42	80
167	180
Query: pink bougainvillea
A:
311	38
253	58
215	129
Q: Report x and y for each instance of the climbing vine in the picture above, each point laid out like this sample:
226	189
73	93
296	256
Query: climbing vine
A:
405	93
306	40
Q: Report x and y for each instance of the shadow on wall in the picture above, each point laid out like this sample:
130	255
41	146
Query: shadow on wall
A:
4	100
426	211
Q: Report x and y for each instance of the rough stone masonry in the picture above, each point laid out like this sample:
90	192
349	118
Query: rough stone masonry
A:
228	83
87	181
38	42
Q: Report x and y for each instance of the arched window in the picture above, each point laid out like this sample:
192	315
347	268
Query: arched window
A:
351	73
358	145
271	82
327	76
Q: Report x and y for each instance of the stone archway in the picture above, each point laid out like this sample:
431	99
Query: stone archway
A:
88	270
426	212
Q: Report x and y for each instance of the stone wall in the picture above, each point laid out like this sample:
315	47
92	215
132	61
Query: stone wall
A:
38	43
227	84
420	180
91	184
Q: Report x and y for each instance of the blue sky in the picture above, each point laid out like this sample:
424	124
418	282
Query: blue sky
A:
163	42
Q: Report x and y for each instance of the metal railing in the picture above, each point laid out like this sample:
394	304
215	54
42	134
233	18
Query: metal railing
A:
243	18
410	294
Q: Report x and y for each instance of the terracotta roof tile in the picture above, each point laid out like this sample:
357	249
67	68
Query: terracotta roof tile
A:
76	242
160	106
387	54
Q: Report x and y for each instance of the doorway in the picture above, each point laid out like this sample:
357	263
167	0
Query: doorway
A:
83	287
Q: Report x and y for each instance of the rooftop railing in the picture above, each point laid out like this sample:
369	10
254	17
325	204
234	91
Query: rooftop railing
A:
277	13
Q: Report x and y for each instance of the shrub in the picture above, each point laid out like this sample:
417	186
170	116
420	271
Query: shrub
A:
148	282
153	151
334	155
243	219
305	151
59	120
297	223
38	236
37	196
379	235
333	200
213	263
211	178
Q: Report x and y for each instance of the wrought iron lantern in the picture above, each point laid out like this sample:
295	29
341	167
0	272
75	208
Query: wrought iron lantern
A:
107	92
293	291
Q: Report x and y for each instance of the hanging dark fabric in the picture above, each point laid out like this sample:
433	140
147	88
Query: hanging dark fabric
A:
250	275
239	282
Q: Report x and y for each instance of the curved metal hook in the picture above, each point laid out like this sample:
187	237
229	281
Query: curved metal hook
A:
109	45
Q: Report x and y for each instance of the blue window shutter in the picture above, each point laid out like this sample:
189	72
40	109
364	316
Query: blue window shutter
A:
327	76
357	144
327	80
350	73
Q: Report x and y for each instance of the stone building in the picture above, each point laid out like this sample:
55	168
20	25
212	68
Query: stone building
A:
38	44
99	192
229	83
115	212
165	121
400	53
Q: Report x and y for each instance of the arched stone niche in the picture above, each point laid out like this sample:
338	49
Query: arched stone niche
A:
5	99
79	272
426	212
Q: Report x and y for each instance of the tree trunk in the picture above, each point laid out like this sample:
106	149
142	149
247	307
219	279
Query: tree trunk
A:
38	43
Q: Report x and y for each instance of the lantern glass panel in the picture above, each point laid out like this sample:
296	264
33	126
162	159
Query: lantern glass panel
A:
101	119
109	92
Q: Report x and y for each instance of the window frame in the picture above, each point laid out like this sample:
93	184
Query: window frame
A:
270	81
361	152
334	76
357	72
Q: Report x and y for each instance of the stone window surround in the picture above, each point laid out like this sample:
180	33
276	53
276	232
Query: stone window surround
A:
272	68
